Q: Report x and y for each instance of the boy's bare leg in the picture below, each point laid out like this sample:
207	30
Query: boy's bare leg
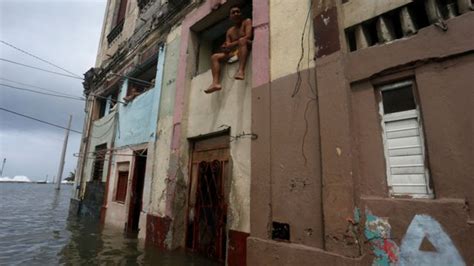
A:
216	72
243	54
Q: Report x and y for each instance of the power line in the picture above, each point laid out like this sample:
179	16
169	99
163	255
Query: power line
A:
37	57
41	69
37	87
43	93
38	120
56	92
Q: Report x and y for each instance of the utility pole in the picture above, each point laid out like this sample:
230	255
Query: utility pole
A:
63	154
3	166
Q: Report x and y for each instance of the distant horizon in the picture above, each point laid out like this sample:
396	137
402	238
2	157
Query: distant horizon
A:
26	179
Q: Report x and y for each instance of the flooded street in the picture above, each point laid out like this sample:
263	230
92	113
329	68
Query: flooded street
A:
35	230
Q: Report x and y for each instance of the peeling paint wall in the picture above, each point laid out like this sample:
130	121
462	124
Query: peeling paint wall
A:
345	149
105	49
229	107
117	212
165	126
286	37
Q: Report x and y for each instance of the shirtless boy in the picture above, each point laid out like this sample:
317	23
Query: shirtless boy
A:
238	41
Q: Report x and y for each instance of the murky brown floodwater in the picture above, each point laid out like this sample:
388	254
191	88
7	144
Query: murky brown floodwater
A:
34	230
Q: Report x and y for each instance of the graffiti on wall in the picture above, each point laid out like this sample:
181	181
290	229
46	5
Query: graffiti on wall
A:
378	233
422	229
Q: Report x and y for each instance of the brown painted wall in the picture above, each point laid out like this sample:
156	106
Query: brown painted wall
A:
285	182
346	163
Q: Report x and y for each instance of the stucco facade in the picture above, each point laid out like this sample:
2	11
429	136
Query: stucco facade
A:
304	161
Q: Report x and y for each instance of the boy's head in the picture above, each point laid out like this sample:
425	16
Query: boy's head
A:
235	13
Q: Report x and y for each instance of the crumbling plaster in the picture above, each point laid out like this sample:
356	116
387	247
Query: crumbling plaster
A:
165	126
286	37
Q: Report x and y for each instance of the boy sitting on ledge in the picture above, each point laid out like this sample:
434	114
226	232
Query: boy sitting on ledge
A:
238	43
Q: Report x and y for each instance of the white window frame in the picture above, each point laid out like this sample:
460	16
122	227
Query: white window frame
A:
414	113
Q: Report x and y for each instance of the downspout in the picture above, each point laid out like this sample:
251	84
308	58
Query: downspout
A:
158	84
86	147
103	209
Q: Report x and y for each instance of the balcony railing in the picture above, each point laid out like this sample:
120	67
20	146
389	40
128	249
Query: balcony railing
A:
115	32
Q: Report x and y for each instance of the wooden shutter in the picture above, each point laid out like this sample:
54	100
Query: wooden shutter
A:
121	11
122	182
407	173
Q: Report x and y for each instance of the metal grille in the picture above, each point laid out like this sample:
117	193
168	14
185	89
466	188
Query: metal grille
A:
98	171
209	229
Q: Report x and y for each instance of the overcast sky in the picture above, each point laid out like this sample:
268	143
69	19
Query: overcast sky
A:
66	33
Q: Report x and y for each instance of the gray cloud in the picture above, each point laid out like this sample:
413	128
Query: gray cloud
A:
65	32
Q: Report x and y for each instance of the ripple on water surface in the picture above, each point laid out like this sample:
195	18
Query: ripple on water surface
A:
34	230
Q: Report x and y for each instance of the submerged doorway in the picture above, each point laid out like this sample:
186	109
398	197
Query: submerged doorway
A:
136	190
208	197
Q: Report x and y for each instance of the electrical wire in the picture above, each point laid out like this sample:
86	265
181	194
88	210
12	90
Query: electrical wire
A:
43	93
39	120
40	69
299	80
39	58
63	95
37	87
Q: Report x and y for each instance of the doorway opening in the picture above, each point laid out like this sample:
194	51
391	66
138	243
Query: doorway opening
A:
136	190
208	198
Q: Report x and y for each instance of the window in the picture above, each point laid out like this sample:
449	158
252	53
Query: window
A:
98	169
210	34
122	182
105	104
143	80
407	171
119	18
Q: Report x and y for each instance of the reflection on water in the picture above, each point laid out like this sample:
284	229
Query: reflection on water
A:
34	230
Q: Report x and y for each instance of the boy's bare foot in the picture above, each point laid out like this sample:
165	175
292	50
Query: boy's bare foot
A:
239	75
213	88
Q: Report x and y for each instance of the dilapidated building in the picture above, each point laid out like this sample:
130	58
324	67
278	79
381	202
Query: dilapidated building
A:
364	154
348	142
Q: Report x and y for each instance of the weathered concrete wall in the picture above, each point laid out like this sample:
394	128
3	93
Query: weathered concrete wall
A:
356	221
165	126
105	49
117	212
286	37
229	107
294	158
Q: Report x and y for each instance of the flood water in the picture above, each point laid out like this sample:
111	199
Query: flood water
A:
35	230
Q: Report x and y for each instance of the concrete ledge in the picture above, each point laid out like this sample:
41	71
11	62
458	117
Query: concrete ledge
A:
430	43
268	252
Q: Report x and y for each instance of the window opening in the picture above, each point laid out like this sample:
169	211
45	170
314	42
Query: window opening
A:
280	231
119	19
136	189
142	81
210	34
98	169
122	182
407	171
102	107
120	12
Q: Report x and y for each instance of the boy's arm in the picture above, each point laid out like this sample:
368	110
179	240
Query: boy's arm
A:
248	29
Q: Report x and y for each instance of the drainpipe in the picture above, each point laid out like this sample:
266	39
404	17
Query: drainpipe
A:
106	192
86	146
